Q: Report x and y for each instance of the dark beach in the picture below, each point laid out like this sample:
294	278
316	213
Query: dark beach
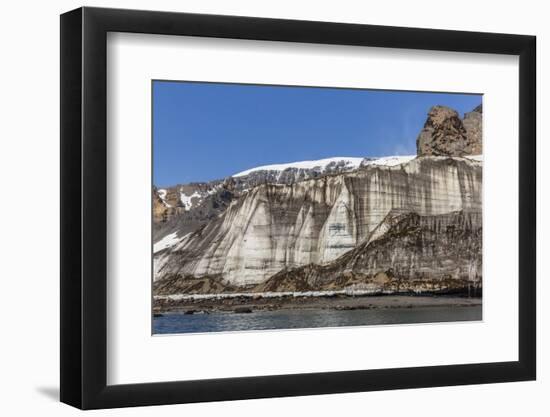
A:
339	302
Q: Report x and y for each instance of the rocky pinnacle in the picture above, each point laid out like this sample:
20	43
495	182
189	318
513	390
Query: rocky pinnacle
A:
446	134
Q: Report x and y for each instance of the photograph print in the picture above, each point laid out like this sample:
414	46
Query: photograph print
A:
295	207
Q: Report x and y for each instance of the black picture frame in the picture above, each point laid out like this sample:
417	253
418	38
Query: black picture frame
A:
84	207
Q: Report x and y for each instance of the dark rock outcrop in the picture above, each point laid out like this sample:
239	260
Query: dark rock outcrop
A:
446	134
200	211
162	211
177	284
473	123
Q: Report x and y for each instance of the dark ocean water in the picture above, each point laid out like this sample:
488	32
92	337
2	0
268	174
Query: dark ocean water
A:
171	323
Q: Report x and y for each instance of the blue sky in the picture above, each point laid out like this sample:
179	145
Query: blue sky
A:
206	131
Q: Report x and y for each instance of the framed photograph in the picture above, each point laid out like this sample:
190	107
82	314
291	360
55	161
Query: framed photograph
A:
257	208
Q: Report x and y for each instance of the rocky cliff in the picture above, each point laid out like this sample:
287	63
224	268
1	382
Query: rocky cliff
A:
275	227
178	200
186	207
412	253
382	224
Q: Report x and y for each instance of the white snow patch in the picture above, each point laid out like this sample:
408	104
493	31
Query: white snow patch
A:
350	163
166	242
162	194
389	161
186	200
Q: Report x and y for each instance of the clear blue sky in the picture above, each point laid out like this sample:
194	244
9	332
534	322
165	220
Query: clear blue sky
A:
206	131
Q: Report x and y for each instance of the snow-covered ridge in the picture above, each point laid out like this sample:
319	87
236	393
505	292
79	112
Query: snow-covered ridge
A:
348	162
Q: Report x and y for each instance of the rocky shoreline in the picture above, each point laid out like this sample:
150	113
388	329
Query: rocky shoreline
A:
243	305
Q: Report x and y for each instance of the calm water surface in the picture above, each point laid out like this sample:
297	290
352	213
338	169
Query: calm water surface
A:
299	319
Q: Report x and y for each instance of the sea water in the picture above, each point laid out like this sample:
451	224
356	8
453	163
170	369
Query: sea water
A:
173	323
